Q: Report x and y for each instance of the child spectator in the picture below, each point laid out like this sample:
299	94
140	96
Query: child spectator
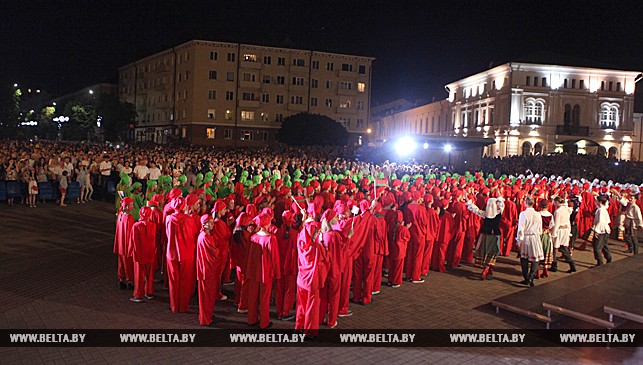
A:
32	187
63	188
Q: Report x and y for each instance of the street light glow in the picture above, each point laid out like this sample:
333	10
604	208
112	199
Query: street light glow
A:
405	146
91	92
369	130
426	146
448	147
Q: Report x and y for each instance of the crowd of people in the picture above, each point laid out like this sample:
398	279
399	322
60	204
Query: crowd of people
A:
309	222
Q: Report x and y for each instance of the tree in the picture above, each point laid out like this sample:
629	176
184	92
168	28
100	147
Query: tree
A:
82	120
305	129
10	111
115	116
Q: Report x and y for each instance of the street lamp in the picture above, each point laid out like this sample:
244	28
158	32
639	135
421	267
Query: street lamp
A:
447	149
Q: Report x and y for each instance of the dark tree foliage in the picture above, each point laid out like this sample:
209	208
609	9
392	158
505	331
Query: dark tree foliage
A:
306	129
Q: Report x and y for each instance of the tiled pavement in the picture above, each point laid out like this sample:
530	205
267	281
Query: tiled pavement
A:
57	270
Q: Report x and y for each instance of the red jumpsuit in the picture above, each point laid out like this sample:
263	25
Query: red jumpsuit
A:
397	251
431	232
122	247
417	215
508	224
445	233
313	261
181	252
263	265
286	288
364	266
344	227
239	257
454	252
381	251
587	210
221	233
144	257
207	256
329	294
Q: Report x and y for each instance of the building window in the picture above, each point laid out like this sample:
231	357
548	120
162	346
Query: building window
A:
543	82
229	95
345	85
528	81
314	83
267	60
315	65
360	123
611	85
609	115
227	133
361	87
231	56
573	83
581	84
279	118
534	111
211	114
210	133
618	86
281	61
298	62
313	101
360	105
247	116
602	85
280	99
212	94
266	79
347	67
361	69
230	76
296	99
247	76
329	84
565	84
248	97
265	98
281	80
246	135
264	117
213	56
228	114
297	80
329	66
535	81
329	103
264	136
212	75
250	57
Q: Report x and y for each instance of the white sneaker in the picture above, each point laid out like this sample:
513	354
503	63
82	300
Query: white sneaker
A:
242	311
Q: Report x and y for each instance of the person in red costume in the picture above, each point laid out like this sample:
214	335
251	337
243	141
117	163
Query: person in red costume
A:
329	294
431	232
445	232
345	227
144	251
286	287
207	256
167	210
263	266
123	243
587	210
398	242
243	230
313	262
156	204
416	214
221	233
194	209
461	215
380	246
366	230
181	252
508	224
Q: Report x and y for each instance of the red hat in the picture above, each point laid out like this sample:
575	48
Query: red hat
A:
243	219
157	198
146	213
328	215
284	190
309	190
198	192
262	220
326	185
126	201
340	208
445	202
258	200
219	205
416	195
178	203
191	199
341	188
174	193
428	198
288	218
205	218
387	200
397	182
268	211
364	205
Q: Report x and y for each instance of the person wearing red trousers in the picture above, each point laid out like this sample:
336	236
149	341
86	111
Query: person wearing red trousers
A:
144	251
156	204
123	244
416	214
433	221
587	210
263	266
207	255
181	252
460	217
345	227
366	228
445	232
398	242
167	210
313	268
243	230
381	248
287	285
470	236
508	224
221	232
329	294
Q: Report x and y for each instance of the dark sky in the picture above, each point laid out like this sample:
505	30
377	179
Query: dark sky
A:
419	46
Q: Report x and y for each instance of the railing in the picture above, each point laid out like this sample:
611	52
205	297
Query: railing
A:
572	130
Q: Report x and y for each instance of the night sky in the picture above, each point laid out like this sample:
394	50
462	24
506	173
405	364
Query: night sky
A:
419	46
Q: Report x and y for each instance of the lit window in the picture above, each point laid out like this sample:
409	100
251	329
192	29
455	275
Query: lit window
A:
345	103
247	116
609	115
264	117
361	87
228	115
246	135
250	57
211	114
210	132
534	111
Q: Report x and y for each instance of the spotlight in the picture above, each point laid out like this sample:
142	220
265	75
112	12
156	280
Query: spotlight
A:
405	146
426	146
448	148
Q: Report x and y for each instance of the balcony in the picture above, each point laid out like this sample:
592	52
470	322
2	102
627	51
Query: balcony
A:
250	65
608	125
572	130
250	84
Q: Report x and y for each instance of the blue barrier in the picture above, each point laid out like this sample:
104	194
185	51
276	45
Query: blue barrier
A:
14	189
46	190
3	190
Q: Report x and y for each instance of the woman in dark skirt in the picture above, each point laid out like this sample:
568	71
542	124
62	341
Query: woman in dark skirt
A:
488	246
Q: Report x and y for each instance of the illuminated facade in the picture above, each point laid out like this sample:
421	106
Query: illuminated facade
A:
216	93
531	109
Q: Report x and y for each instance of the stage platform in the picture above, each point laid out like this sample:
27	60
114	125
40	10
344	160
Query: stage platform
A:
605	296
